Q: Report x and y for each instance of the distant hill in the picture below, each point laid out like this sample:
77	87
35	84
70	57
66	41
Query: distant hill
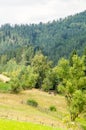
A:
55	39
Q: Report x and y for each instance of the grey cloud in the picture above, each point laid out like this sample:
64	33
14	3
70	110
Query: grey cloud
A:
22	2
34	11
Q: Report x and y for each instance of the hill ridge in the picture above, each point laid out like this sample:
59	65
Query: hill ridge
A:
55	39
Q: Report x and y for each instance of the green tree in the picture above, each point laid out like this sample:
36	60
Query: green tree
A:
40	65
72	82
71	56
50	82
27	77
77	104
15	86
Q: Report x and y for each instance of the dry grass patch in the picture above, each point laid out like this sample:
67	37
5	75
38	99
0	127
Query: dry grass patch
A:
14	106
4	78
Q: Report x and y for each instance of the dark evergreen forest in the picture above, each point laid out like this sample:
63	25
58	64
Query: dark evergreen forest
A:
55	39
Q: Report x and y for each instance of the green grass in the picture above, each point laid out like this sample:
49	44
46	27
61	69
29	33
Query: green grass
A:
82	122
15	125
84	127
4	87
14	107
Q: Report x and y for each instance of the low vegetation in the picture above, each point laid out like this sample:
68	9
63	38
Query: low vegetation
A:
52	108
5	87
32	102
14	125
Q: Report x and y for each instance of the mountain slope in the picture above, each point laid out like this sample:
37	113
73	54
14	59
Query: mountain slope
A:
56	39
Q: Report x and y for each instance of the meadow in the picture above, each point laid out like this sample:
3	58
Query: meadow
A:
14	125
15	112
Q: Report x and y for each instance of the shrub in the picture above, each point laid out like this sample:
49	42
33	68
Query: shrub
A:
15	86
52	108
5	87
32	102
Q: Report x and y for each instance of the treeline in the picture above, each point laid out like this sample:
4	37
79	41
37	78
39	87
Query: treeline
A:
68	77
55	39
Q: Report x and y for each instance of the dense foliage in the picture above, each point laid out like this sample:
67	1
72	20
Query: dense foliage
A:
55	39
73	83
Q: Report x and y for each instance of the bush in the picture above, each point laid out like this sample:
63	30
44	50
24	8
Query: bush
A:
5	87
52	108
32	102
15	86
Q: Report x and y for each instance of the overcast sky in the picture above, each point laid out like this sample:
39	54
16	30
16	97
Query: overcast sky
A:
35	11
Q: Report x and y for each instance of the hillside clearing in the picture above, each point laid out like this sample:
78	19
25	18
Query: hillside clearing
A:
14	107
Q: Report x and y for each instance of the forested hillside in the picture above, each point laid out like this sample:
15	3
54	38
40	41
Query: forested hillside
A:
47	57
55	39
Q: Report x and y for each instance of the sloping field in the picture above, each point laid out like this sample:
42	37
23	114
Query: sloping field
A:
14	107
14	125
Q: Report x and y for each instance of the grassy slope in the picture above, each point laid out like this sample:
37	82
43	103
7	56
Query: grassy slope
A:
14	125
82	122
14	107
